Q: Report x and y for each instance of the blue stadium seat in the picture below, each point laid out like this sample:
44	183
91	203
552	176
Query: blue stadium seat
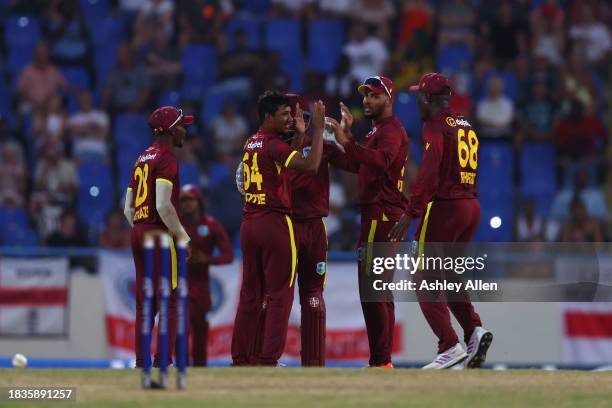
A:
325	42
18	58
538	175
405	108
218	173
508	78
199	70
107	30
454	58
189	173
93	10
250	26
283	35
105	57
78	77
96	194
133	136
212	105
5	99
256	6
416	150
21	31
169	98
496	169
14	235
16	216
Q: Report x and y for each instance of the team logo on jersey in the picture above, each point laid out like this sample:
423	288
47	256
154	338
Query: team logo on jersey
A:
255	145
450	121
306	151
314	302
203	230
321	267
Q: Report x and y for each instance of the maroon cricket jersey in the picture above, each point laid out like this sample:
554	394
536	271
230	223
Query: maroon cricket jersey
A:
206	234
382	161
157	163
450	160
266	181
310	193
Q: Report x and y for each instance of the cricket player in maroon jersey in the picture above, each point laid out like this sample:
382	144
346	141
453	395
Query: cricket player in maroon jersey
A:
310	204
381	159
206	234
151	203
267	238
445	199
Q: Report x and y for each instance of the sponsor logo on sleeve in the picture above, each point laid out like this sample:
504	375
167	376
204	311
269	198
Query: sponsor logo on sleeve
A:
321	267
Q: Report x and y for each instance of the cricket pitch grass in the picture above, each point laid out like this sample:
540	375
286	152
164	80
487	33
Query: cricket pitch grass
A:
295	387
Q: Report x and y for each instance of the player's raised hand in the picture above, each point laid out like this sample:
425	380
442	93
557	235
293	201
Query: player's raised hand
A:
300	125
347	118
318	117
399	230
339	133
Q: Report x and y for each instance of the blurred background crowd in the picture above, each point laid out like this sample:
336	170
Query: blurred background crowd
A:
78	79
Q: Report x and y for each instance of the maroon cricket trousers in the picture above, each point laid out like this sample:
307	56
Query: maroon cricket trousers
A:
449	221
311	238
269	258
379	316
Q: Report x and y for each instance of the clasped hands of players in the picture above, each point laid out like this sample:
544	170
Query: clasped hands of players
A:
342	130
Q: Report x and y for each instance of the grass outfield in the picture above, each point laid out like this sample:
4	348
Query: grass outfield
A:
294	387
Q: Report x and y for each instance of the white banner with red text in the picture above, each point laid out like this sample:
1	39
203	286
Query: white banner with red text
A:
587	336
346	335
34	296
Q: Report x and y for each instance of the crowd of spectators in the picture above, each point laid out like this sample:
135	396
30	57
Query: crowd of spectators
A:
523	72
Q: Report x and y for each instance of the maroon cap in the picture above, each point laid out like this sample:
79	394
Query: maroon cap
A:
166	117
432	83
191	191
379	85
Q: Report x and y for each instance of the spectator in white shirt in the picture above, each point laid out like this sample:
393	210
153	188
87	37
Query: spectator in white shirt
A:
592	36
88	129
229	131
367	55
495	112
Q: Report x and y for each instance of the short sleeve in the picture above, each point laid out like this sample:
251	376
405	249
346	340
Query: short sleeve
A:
167	169
280	151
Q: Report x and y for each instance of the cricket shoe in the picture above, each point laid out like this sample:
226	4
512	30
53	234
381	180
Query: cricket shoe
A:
387	366
477	347
448	358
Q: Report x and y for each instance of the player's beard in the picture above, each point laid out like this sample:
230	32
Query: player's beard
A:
376	112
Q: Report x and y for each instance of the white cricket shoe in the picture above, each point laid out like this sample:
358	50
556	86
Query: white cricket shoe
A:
477	347
448	358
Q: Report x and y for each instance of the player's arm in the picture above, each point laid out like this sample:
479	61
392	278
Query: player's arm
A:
339	159
300	129
128	207
426	183
427	180
379	158
310	164
166	211
222	242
